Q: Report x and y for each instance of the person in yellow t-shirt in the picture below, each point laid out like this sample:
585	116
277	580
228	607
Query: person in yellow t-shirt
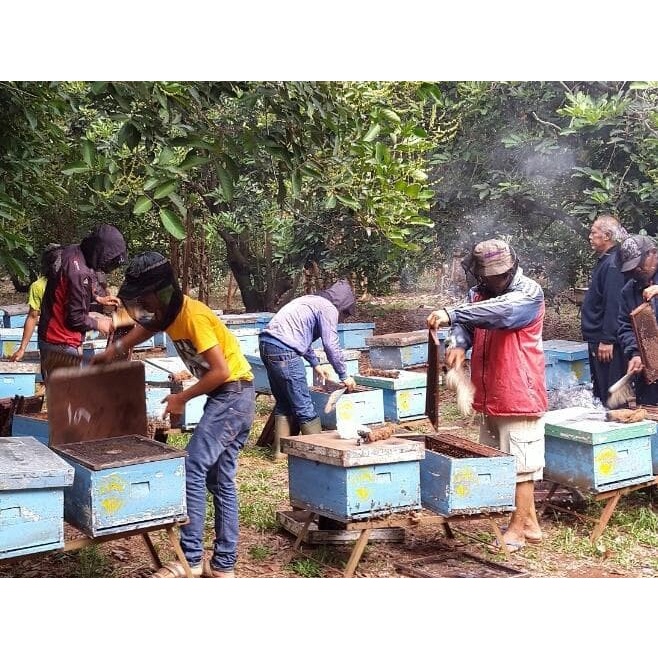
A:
51	259
153	298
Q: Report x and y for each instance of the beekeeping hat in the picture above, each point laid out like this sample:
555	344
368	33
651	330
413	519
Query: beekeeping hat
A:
633	250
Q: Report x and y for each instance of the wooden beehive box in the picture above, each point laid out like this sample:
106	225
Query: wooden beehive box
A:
14	315
18	378
123	480
247	339
586	452
362	406
397	351
653	415
10	340
344	481
404	395
645	328
32	482
35	425
568	363
351	335
459	477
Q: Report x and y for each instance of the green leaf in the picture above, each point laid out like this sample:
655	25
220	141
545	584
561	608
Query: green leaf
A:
164	190
330	202
349	202
192	160
167	156
390	115
382	154
98	87
151	183
226	183
75	168
88	152
172	223
142	205
375	129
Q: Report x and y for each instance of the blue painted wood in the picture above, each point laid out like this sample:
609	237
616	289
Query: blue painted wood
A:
564	374
654	452
10	341
395	358
352	335
14	315
24	425
467	485
404	397
363	406
116	499
170	348
240	320
160	339
598	468
154	375
263	319
247	338
566	350
13	382
32	478
354	493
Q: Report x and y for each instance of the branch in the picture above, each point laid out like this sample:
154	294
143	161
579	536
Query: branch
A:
546	123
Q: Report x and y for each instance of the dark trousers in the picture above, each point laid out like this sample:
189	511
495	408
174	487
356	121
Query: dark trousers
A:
606	374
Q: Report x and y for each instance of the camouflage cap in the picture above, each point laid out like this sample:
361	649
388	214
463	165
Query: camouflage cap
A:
633	250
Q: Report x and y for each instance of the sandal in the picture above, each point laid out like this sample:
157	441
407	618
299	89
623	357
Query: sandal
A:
176	570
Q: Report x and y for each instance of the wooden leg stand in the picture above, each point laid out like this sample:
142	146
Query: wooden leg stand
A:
77	544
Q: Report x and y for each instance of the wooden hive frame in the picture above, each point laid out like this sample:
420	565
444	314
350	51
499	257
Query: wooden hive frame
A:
643	320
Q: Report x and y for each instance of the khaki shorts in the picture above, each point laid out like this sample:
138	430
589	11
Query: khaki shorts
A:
520	436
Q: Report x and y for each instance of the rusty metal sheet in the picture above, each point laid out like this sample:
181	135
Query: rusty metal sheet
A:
118	451
645	327
96	402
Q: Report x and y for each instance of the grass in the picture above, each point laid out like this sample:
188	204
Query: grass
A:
305	568
260	553
91	563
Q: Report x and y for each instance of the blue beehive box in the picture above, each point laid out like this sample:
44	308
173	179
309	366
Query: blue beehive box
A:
569	363
160	339
14	315
247	338
404	396
240	320
263	319
459	477
400	350
362	406
11	341
18	378
32	482
347	482
35	425
170	366
351	335
586	452
123	480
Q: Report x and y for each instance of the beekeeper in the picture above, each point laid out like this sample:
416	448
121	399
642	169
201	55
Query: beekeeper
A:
638	260
502	322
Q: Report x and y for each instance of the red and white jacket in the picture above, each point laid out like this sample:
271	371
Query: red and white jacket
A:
507	360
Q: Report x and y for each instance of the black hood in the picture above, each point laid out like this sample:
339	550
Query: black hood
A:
341	296
104	248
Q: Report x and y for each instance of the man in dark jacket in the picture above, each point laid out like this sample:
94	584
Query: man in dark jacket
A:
502	322
65	310
638	260
286	343
600	309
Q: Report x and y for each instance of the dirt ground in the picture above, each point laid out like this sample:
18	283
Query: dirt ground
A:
422	550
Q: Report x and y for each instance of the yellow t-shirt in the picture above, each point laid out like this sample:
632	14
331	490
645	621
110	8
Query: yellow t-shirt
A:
197	329
36	292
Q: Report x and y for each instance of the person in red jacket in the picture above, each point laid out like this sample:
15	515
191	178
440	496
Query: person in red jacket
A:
502	322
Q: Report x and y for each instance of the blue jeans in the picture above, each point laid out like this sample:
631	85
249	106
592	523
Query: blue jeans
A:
287	375
51	350
212	462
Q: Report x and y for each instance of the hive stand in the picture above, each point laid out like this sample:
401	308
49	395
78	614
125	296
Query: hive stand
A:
411	520
612	497
76	544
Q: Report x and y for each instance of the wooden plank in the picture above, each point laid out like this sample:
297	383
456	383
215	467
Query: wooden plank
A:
432	393
267	433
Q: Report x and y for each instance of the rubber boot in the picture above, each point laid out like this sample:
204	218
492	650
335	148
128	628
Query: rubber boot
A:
283	426
311	427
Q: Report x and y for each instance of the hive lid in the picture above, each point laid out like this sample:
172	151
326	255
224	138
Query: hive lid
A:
566	350
353	326
96	402
589	426
404	380
15	309
170	364
329	448
19	367
25	463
